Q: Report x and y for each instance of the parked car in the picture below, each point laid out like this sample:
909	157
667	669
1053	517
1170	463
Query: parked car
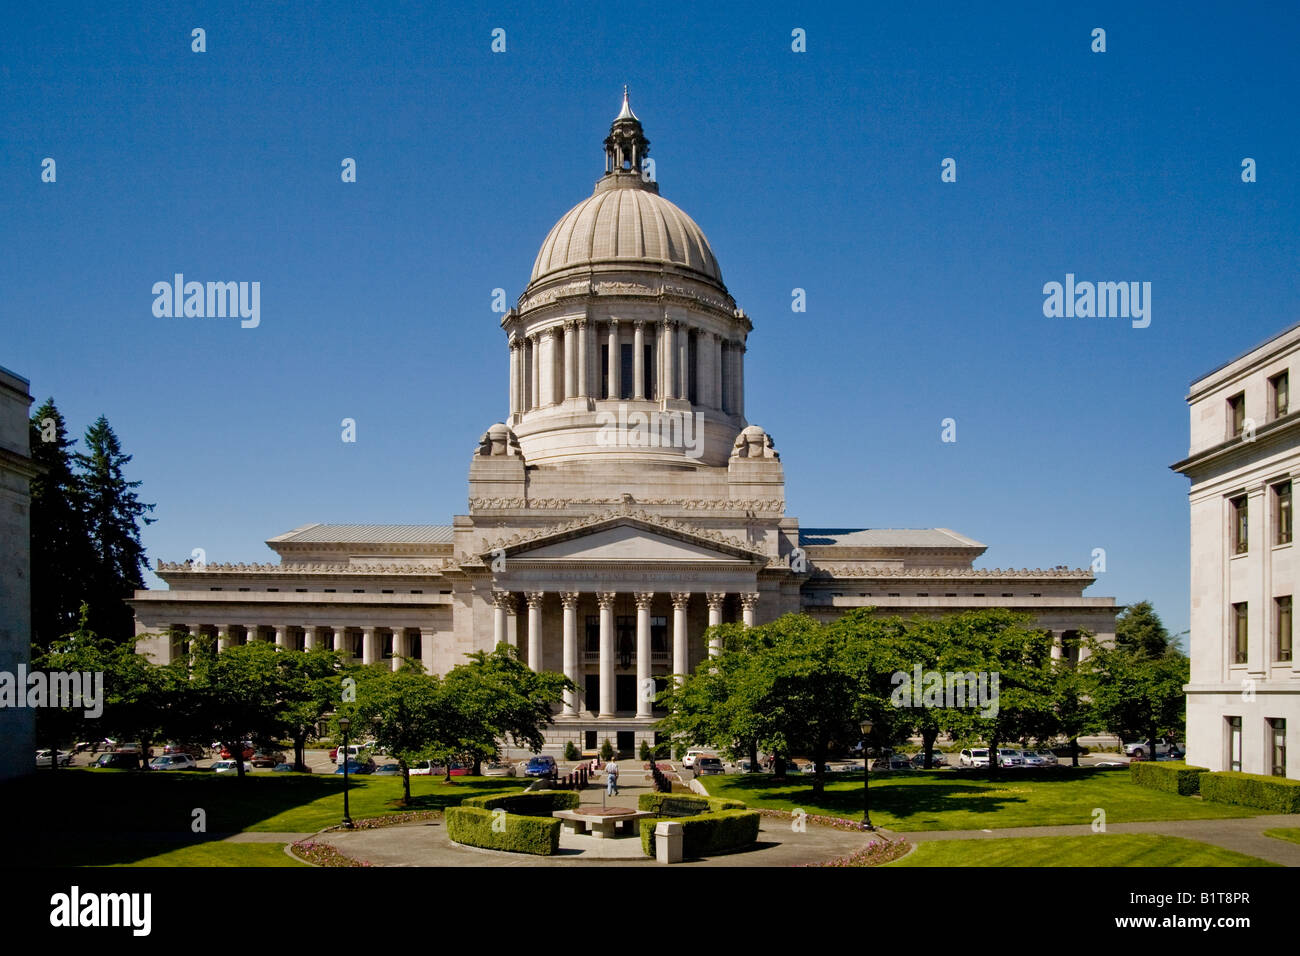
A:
542	765
118	760
1141	748
893	762
425	768
498	769
1063	750
354	752
262	759
709	765
1010	757
44	758
173	762
693	754
248	752
1048	756
1031	758
742	765
287	768
388	770
936	760
974	757
229	766
353	767
194	750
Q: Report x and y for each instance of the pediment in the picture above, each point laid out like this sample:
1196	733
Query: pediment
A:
629	539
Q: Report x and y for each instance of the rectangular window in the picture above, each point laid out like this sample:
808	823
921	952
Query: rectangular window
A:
1240	525
214	589
329	590
651	379
1282	512
658	636
1279	392
593	635
1241	642
1236	414
692	370
300	590
1234	743
417	591
272	589
1277	735
625	372
1283	627
358	590
589	740
245	589
385	590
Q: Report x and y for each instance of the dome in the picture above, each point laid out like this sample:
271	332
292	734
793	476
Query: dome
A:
626	224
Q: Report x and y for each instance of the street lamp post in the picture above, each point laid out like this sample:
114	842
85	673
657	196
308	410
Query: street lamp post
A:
865	727
344	724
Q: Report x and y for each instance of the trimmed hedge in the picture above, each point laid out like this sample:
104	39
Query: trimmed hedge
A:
1176	778
651	802
539	803
1275	794
708	833
472	826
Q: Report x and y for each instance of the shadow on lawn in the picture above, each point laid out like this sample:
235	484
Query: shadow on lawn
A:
908	796
82	817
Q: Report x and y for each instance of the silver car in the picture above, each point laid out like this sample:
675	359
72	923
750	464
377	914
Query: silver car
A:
1007	757
1032	759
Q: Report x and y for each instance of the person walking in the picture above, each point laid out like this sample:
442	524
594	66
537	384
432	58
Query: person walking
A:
611	779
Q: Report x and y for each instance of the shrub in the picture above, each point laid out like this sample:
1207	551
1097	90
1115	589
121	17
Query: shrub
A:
472	826
708	833
1176	778
1276	794
645	753
539	803
651	802
606	750
571	751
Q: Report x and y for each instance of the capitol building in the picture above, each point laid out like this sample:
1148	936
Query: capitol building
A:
623	506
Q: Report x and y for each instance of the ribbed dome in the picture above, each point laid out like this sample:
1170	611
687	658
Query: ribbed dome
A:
626	224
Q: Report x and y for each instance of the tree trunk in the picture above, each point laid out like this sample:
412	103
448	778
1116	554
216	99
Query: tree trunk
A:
477	769
300	752
406	784
928	738
778	768
1074	751
819	779
753	756
993	757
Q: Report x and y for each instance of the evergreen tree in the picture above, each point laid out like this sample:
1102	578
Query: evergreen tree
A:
1139	629
113	511
61	555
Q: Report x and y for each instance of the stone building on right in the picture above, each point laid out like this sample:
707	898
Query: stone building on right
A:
1244	696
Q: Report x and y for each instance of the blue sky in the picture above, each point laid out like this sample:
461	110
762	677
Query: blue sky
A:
817	170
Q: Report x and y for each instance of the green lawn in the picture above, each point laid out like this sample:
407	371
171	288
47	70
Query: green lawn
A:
1115	849
944	800
154	853
1291	834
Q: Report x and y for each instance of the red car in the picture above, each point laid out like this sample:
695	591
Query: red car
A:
225	752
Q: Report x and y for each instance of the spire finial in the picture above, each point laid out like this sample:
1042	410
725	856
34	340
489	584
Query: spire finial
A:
626	111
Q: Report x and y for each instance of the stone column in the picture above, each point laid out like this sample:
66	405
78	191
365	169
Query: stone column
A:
426	649
667	344
747	602
570	601
512	620
606	599
308	638
683	337
534	371
223	637
638	359
570	360
740	379
715	618
498	617
583	359
341	640
715	360
1058	653
399	646
281	637
369	645
548	386
643	599
680	647
514	375
614	363
534	599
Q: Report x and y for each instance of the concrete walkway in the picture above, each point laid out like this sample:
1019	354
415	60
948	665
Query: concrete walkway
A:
1242	834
